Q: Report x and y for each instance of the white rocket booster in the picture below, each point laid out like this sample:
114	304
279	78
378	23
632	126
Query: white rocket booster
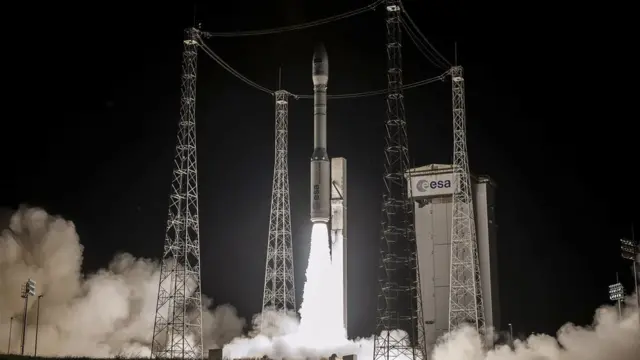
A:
320	164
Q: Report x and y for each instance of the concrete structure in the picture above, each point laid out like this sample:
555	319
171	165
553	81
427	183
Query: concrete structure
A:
216	354
339	228
432	187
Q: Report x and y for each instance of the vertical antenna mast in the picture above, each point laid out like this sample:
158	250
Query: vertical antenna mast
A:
399	303
177	331
279	286
465	293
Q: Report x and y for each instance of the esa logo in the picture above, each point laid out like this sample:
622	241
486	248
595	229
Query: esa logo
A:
425	185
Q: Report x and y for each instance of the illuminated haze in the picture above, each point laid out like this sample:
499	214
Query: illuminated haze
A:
320	331
111	312
319	334
320	320
108	313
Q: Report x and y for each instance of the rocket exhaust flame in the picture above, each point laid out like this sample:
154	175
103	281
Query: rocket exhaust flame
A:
321	324
110	313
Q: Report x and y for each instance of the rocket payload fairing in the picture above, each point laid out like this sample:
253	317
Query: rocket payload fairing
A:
320	164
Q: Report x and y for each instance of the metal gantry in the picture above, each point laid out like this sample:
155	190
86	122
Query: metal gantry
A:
399	303
279	286
465	296
630	249
177	331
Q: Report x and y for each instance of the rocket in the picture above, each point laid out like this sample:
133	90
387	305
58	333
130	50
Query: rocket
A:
320	164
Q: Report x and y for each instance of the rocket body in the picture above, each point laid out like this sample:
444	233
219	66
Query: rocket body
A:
320	163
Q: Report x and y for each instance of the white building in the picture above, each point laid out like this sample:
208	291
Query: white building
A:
432	188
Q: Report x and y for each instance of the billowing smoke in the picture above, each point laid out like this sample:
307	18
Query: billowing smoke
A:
109	313
610	337
320	335
320	331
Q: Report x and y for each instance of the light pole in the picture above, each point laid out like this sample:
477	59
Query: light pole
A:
630	250
510	335
10	328
35	349
616	293
29	290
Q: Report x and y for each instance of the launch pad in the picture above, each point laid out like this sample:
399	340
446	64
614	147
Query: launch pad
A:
216	354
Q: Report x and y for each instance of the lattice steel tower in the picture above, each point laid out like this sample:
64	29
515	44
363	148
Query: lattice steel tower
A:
177	331
465	296
399	303
279	287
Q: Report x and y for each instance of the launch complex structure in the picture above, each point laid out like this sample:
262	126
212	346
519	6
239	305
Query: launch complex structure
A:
177	329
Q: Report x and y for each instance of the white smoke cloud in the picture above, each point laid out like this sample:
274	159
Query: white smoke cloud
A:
320	335
111	312
610	337
104	314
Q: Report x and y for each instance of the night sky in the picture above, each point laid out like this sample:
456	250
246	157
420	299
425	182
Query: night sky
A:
95	97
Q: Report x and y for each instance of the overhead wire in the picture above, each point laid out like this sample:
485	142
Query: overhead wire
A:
307	25
426	52
264	89
422	37
416	84
230	69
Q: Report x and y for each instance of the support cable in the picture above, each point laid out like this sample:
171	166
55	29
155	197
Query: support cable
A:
207	50
422	37
307	25
426	52
233	71
440	77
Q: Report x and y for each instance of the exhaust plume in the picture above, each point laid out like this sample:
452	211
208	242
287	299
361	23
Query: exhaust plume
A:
319	334
609	337
108	313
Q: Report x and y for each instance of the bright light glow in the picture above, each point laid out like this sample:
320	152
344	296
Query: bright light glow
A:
337	264
111	312
321	309
321	333
321	330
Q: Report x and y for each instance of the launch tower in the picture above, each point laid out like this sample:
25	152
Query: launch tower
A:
279	285
465	291
177	331
399	303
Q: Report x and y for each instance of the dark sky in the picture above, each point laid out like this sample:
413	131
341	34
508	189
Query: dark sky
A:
95	99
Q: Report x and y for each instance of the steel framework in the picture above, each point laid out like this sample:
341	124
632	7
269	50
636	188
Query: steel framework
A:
177	331
465	292
279	286
399	302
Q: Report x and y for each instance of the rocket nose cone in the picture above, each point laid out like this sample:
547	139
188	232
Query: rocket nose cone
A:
320	65
319	53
